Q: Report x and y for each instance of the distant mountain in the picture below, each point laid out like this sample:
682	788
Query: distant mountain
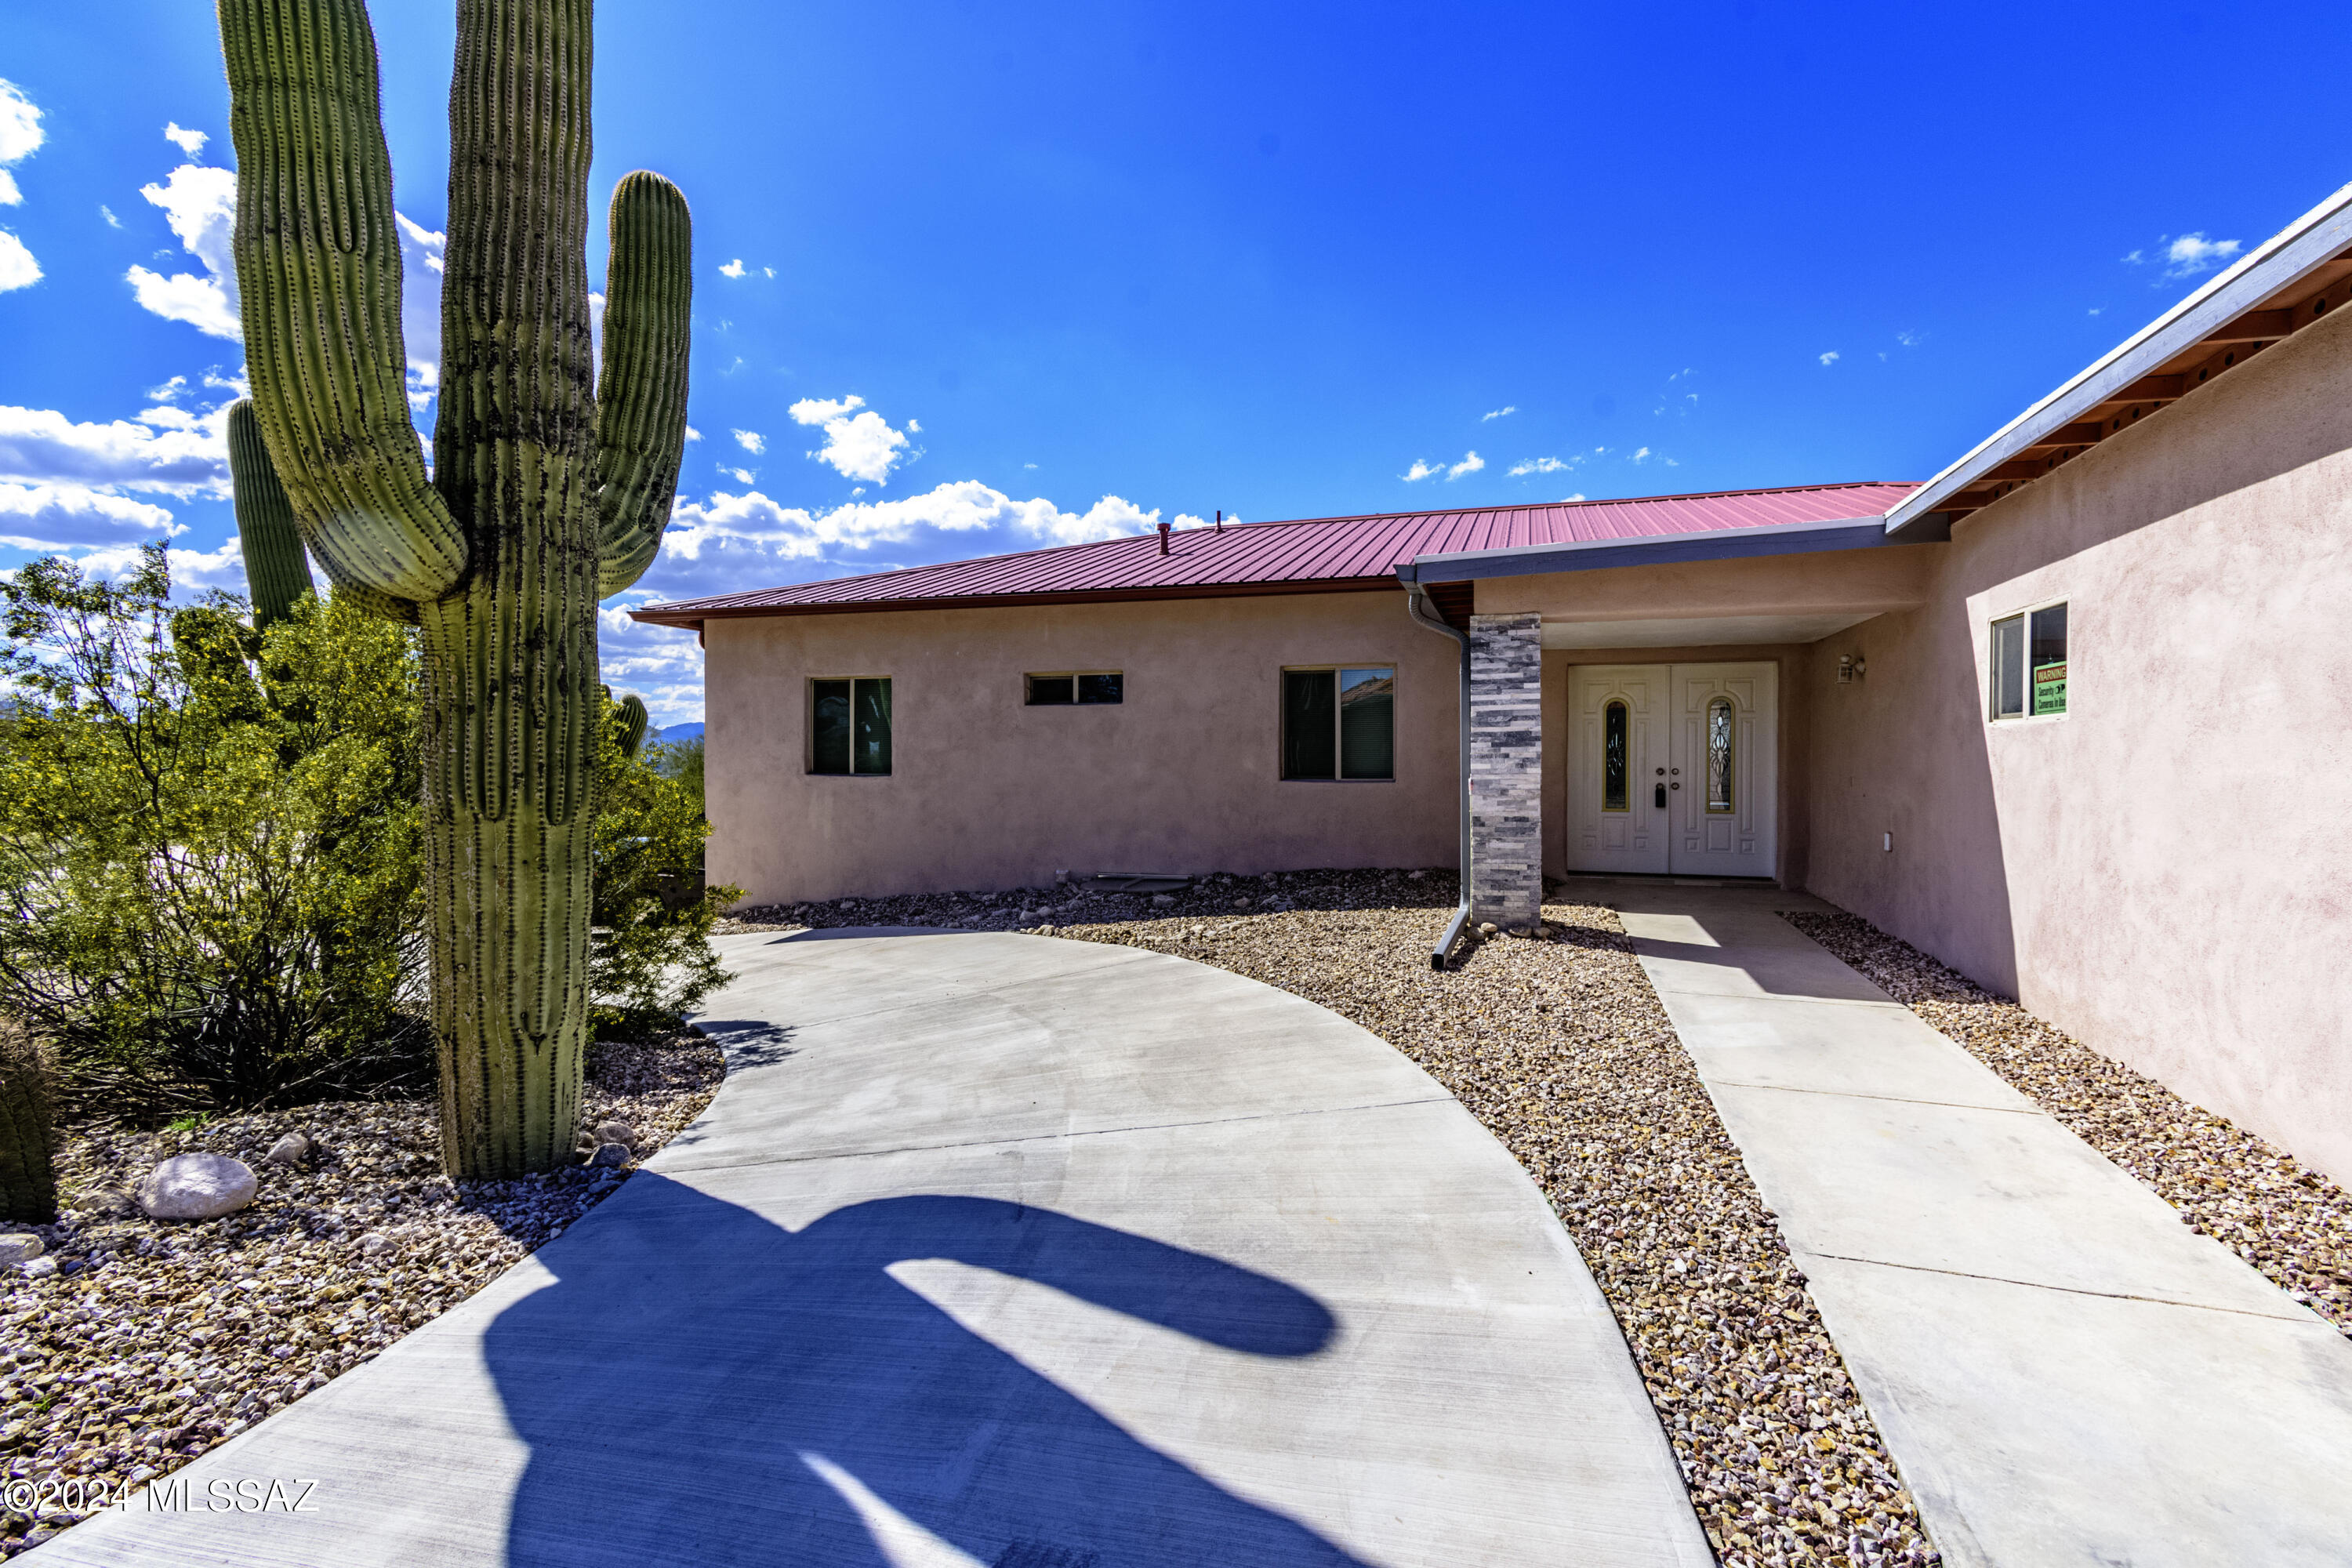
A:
680	732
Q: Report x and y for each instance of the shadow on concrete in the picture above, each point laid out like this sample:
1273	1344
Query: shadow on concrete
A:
703	1386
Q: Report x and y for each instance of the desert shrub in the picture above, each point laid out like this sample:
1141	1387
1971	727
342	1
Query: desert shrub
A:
28	1182
208	844
649	940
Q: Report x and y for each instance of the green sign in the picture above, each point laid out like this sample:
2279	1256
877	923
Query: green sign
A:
2050	688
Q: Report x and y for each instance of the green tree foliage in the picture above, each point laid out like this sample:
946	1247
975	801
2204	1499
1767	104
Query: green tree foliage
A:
682	761
649	942
209	844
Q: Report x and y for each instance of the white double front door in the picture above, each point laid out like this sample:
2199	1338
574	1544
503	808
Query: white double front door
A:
1671	768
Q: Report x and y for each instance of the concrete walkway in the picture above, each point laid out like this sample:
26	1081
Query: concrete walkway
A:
2064	1373
999	1251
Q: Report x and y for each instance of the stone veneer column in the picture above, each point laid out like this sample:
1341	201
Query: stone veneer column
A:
1506	769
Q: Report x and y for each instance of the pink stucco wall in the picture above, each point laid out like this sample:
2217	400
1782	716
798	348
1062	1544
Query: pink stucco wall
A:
2164	872
988	794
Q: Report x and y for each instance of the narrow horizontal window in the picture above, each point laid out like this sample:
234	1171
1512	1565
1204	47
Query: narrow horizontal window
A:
1081	686
1338	723
849	726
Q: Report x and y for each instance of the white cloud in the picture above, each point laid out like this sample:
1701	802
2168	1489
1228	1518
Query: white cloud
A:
60	517
1027	465
1830	358
733	542
1420	470
732	270
1578	496
193	570
190	142
17	268
20	125
1910	339
1543	466
200	204
860	445
20	136
42	447
1499	413
2186	255
1641	456
752	441
915	426
692	434
2096	308
817	410
769	270
740	476
1470	464
108	214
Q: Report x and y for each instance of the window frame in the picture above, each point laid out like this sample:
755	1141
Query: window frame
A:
2024	616
1073	676
1339	773
808	749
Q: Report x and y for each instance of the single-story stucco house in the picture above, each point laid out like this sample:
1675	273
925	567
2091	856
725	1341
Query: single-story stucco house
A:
2026	715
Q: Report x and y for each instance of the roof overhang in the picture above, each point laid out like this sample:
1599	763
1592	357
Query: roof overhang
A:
1662	549
2268	294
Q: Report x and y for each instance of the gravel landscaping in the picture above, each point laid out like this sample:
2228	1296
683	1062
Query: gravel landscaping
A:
1559	1045
134	1345
2279	1214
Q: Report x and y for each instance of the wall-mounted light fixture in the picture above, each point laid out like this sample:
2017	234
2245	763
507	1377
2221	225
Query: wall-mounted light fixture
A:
1850	668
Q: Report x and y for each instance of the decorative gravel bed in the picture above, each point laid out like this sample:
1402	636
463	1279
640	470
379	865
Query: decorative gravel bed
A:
1558	1045
156	1339
2279	1214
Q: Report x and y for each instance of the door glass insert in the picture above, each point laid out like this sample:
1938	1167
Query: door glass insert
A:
1720	761
1612	757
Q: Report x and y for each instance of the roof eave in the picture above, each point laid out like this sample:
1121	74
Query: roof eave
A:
1592	556
2278	263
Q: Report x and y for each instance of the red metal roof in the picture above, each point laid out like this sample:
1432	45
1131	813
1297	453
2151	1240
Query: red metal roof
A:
1316	554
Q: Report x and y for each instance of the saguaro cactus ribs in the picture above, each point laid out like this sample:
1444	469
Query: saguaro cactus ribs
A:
549	489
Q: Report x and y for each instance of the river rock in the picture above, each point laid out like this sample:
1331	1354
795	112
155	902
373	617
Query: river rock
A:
609	1154
290	1151
196	1186
616	1132
19	1246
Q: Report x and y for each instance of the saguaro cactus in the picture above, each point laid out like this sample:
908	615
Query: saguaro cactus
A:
275	569
547	491
633	723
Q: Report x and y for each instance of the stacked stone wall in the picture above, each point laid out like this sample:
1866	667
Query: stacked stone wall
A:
1506	769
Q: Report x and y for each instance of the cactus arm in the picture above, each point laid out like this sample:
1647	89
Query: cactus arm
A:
634	721
318	264
640	394
275	568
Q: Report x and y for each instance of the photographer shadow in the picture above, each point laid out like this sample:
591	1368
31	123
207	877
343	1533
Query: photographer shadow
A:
704	1386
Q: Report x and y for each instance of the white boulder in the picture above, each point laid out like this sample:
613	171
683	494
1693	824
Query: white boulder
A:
19	1246
196	1186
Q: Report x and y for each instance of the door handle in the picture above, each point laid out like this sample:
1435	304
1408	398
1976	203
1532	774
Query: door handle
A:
1661	795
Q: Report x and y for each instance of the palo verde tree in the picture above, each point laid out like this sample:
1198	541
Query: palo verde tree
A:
548	490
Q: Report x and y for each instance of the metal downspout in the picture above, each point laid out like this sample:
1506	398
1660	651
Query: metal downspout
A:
1416	605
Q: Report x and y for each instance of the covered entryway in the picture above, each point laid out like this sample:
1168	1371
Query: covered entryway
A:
1671	769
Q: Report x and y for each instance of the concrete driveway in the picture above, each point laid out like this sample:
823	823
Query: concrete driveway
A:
999	1250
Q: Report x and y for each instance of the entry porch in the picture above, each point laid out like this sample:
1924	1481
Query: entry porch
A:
1643	707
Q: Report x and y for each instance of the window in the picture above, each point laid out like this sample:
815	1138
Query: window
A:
2047	651
1614	718
2028	664
1338	723
1719	759
849	726
1076	690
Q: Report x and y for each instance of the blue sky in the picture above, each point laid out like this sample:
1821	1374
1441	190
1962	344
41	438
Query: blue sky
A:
974	278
